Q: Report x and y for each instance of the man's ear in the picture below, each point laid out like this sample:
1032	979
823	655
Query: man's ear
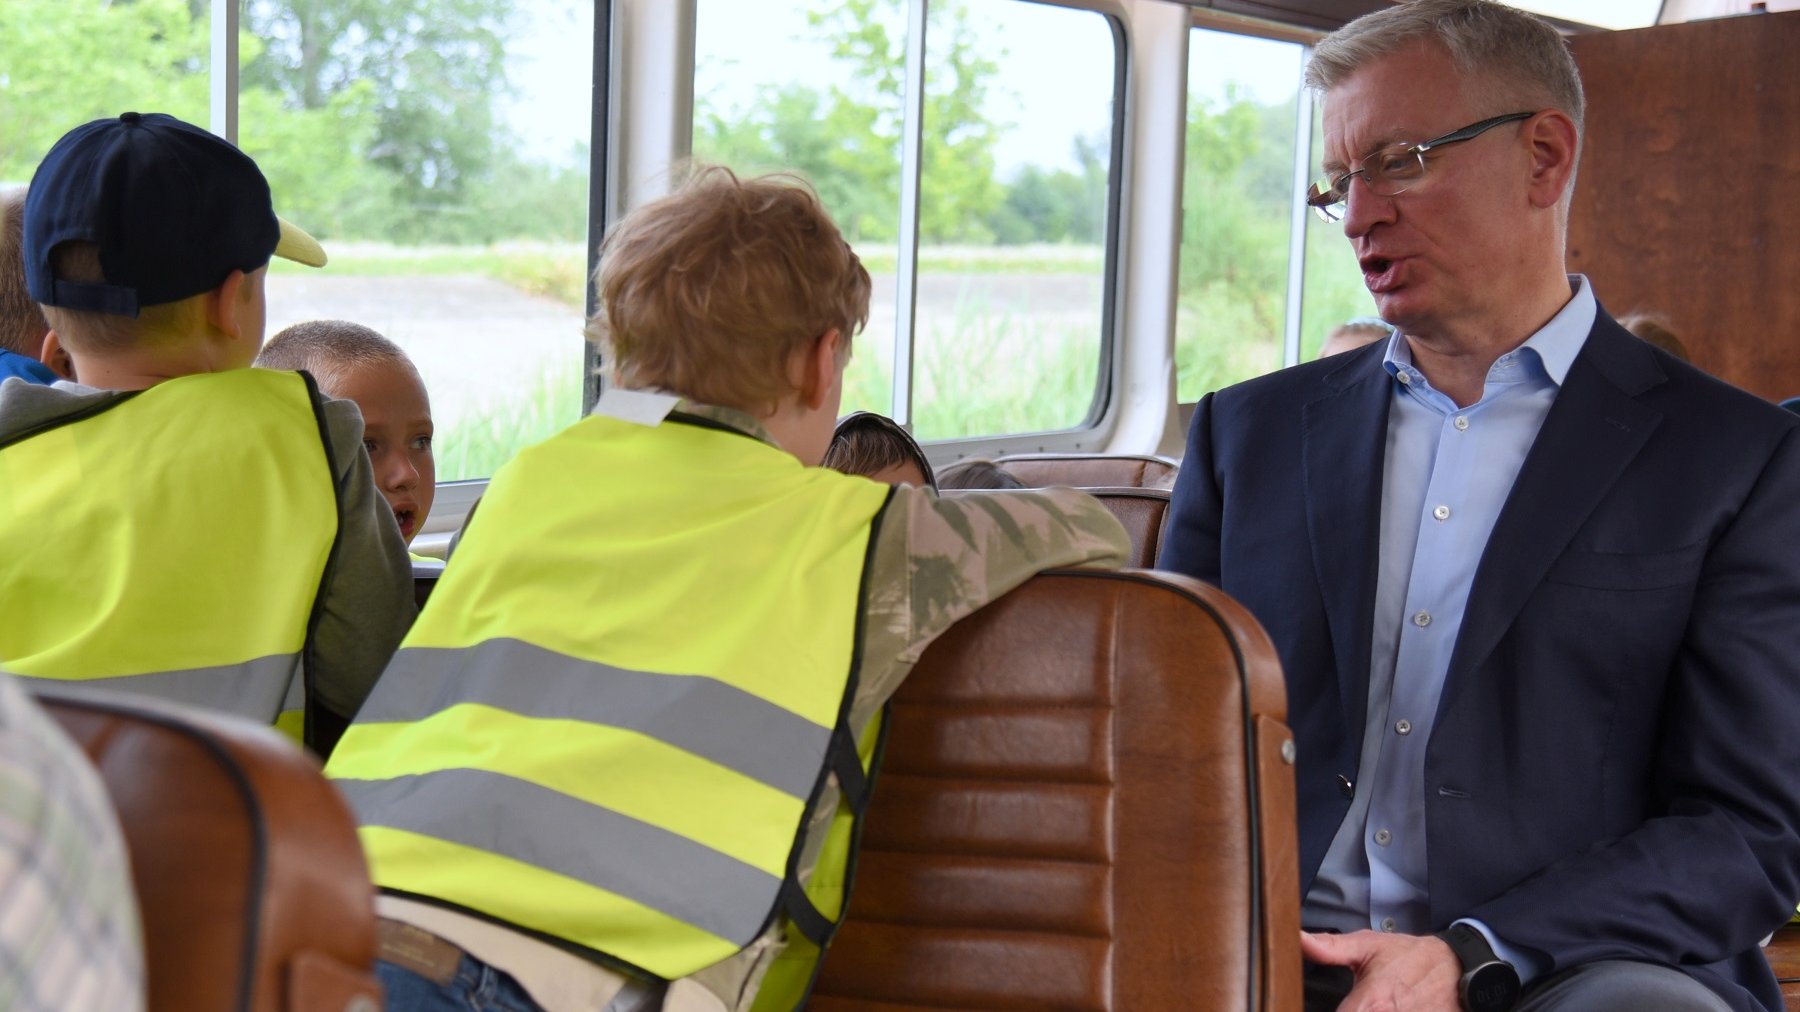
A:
224	305
1554	144
55	357
823	370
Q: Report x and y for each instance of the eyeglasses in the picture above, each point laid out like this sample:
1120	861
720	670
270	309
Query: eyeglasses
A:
1392	170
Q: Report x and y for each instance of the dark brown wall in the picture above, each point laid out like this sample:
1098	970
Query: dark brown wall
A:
1688	198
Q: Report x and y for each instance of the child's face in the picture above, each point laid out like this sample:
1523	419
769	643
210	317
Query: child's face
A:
397	434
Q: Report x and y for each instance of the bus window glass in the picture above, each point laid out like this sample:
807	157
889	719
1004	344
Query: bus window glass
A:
1237	209
1335	292
1015	174
814	88
439	150
65	63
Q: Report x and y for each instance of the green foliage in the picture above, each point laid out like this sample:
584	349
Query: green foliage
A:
1236	213
847	139
427	72
477	442
64	62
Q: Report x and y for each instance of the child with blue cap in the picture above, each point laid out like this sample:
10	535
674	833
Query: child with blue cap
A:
178	524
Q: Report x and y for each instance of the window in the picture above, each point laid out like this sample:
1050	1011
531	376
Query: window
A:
1016	176
439	150
1016	154
1240	207
1237	209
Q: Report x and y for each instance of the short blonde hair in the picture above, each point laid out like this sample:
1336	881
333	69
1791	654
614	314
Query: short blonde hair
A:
331	350
1522	55
86	330
711	291
22	324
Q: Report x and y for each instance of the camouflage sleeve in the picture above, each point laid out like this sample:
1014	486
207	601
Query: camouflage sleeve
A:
937	560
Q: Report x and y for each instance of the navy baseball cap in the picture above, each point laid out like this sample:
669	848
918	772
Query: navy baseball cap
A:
173	208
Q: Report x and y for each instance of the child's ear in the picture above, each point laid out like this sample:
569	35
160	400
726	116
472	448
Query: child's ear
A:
224	305
55	357
824	369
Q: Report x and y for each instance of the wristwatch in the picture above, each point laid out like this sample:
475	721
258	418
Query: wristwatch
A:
1489	983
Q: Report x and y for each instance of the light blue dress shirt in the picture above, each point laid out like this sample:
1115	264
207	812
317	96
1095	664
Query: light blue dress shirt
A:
1446	475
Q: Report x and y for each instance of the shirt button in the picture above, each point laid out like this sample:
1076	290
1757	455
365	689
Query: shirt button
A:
1388	924
1462	423
1402	726
1383	837
1404	377
1422	619
1442	512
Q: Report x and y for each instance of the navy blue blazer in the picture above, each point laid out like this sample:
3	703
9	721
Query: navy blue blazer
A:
1615	767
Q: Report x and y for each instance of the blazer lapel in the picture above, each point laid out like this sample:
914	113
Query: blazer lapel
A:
1345	442
1591	433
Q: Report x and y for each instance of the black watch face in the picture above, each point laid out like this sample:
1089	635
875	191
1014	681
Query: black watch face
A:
1491	987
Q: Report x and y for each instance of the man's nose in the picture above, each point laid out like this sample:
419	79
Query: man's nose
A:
1364	208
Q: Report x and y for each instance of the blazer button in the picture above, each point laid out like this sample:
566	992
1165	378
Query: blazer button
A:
1345	787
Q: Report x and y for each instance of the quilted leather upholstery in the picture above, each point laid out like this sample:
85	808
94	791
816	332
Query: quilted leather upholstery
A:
1084	804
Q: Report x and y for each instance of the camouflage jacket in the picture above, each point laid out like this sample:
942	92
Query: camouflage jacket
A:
935	560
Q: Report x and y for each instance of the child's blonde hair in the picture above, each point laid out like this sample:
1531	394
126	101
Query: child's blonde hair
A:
87	330
22	325
710	291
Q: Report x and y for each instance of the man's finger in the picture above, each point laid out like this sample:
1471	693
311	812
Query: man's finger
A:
1329	950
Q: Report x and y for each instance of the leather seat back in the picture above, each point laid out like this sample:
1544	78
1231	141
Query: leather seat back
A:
1144	512
1091	470
250	880
1086	803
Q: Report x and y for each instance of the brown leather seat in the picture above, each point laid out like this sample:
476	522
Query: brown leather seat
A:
1783	954
1144	512
1091	470
250	881
1085	804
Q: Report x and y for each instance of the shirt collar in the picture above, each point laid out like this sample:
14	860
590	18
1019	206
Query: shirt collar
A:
652	405
739	420
1555	344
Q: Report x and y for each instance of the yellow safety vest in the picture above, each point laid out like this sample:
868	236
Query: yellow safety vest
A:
612	718
172	543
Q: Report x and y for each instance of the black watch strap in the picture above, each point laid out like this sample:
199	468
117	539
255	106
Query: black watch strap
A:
1489	983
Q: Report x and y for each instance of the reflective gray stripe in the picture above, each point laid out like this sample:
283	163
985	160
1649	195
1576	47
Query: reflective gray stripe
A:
695	713
253	689
652	866
294	701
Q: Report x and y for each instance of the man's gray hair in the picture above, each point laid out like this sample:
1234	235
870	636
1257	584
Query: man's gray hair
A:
1521	53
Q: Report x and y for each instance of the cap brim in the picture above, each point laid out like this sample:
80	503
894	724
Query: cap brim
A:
297	246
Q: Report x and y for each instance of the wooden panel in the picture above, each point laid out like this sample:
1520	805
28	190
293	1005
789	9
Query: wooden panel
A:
1325	14
1689	190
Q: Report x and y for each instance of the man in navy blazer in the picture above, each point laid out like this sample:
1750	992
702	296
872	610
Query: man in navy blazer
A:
1535	584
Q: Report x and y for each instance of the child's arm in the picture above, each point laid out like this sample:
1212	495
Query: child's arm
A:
937	560
366	602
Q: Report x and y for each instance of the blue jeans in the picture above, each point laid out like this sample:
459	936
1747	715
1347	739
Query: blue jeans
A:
477	987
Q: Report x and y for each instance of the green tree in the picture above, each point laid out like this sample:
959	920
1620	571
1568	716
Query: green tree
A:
846	139
64	62
431	69
958	191
1044	205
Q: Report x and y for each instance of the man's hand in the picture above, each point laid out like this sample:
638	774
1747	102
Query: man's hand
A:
1394	973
